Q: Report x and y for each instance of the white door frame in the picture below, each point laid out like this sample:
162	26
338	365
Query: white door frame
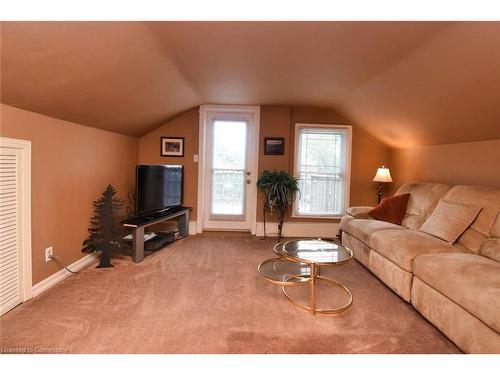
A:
25	211
205	112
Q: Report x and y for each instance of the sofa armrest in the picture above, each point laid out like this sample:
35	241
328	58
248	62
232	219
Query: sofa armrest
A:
359	212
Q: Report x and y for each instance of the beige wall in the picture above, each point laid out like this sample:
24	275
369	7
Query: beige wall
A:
71	166
367	153
275	121
473	163
185	125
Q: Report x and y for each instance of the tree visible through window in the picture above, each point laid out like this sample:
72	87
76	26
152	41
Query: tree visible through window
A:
321	165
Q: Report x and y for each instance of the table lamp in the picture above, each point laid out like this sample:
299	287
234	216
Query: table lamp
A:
383	176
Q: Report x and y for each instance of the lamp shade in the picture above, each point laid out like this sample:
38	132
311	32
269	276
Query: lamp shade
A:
383	175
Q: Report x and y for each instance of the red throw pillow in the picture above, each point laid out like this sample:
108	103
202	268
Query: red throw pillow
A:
391	209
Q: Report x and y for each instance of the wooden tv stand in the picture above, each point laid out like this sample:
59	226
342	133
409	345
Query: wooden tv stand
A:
139	223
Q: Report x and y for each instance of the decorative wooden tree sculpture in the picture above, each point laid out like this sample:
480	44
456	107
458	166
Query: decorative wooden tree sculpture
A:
105	232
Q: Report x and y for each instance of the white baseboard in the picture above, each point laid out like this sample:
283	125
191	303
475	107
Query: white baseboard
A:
291	229
192	227
300	229
52	280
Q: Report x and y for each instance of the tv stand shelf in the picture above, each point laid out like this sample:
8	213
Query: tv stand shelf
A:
139	223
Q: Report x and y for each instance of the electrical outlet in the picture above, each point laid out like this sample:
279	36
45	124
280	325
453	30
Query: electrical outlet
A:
48	254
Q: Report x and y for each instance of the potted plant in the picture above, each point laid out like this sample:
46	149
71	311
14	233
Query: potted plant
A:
280	190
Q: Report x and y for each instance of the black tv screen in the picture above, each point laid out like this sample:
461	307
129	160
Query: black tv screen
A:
158	187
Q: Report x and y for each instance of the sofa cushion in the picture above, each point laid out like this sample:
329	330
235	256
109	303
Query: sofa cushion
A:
360	250
469	280
472	240
491	249
468	332
495	229
362	229
359	212
449	220
487	198
392	275
423	199
402	246
485	225
391	209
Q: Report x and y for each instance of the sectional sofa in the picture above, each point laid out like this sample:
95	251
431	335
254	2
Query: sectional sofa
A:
456	286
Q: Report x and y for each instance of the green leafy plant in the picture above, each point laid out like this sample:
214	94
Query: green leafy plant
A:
105	232
280	190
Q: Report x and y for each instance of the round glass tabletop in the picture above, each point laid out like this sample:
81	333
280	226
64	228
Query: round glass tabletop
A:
278	249
317	251
284	272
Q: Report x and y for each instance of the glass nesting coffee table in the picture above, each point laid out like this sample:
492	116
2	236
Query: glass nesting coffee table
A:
299	263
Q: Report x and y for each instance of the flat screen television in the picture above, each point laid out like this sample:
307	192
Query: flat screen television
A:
158	187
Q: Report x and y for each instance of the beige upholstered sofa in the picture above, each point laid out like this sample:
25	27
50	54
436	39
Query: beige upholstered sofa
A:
455	286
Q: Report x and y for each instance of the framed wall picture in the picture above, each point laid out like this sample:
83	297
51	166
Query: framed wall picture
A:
274	146
172	146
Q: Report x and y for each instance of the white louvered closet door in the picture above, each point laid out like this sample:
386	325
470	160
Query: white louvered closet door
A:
11	292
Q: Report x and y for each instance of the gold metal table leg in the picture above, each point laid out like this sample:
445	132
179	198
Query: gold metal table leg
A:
311	307
313	288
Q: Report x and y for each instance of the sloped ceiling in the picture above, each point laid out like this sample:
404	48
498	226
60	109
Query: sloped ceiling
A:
406	83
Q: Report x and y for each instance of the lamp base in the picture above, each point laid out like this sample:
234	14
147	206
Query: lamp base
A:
379	193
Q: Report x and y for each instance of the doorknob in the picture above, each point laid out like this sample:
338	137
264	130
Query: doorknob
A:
248	181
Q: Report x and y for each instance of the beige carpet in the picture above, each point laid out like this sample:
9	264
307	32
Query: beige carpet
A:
203	295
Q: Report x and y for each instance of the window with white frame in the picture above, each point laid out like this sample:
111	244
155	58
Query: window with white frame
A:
322	164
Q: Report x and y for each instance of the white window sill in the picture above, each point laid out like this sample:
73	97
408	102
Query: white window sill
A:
337	216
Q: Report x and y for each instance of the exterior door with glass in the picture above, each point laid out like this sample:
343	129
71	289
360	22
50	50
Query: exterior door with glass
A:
229	172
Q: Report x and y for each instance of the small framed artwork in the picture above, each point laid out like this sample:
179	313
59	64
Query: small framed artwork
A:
274	146
172	146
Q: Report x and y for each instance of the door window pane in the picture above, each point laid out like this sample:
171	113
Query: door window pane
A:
228	169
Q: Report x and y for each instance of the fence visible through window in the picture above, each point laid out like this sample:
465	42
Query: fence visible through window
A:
321	168
228	185
320	193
